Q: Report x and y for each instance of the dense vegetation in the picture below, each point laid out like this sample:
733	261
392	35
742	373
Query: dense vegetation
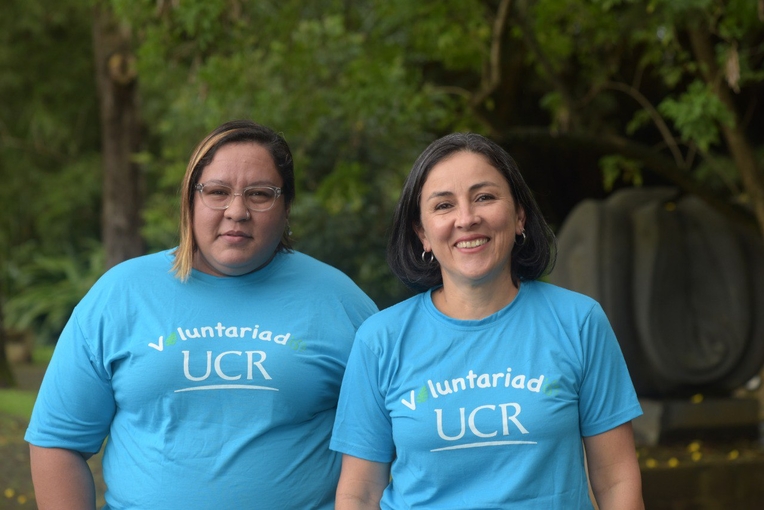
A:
589	96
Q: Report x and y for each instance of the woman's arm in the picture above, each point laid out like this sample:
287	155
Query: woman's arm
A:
613	469
361	483
62	479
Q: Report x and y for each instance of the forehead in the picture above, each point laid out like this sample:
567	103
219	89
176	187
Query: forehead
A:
242	162
462	169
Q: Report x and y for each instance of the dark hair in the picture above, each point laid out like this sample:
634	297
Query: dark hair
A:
237	131
530	259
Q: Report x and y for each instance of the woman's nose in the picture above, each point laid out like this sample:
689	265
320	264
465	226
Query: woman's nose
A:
237	211
466	216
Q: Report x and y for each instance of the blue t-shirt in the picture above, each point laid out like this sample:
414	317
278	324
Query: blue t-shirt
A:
484	413
214	393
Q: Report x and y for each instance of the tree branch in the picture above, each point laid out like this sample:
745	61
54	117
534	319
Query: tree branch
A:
740	149
612	144
565	118
492	81
655	116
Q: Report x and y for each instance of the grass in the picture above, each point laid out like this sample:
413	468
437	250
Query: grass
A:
41	354
17	403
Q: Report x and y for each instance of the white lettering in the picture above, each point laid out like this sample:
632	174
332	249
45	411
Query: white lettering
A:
219	370
159	345
443	391
513	418
187	372
473	428
258	364
535	384
475	431
411	405
282	339
439	417
518	382
458	382
432	389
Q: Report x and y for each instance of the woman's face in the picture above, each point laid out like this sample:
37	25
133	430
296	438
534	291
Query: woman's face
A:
469	220
236	241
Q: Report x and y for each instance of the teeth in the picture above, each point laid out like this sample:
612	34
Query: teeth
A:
472	244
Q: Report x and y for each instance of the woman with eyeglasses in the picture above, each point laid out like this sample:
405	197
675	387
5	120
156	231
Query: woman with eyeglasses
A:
211	371
485	389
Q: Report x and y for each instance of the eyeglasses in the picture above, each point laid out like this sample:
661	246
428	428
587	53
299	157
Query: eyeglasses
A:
256	198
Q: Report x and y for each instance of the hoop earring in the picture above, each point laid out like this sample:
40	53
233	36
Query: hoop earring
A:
424	259
524	239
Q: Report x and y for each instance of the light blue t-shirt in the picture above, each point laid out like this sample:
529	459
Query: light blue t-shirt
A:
214	393
484	414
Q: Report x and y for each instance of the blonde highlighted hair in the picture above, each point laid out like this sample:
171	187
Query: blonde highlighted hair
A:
238	131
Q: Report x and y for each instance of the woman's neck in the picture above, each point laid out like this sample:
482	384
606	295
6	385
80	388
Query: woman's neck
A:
473	302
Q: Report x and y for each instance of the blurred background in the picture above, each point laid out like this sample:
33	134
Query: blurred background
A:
102	101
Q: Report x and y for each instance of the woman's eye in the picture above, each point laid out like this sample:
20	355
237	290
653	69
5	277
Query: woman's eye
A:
484	197
442	205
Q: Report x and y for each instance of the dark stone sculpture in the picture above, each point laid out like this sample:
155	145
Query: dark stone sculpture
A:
681	285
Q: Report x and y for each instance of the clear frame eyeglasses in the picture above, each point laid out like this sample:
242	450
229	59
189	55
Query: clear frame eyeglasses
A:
220	197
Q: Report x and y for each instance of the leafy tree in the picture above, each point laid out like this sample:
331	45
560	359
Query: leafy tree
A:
669	87
353	114
48	144
589	96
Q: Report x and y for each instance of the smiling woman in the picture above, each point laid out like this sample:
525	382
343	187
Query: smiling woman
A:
469	221
469	235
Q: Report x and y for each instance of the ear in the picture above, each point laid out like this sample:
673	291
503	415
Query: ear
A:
422	236
520	226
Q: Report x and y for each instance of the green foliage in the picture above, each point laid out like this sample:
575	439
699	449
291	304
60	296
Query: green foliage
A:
719	174
49	157
697	113
17	403
617	167
358	89
50	288
328	78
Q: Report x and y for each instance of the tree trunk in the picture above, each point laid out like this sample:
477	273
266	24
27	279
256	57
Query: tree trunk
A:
6	376
120	133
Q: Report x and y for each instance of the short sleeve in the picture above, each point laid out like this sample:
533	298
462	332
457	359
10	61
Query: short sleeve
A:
75	405
607	396
362	427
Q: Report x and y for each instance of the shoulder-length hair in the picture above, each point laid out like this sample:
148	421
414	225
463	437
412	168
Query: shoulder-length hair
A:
237	131
530	259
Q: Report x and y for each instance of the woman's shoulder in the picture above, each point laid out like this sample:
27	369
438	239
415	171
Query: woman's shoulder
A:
140	269
311	270
395	316
132	277
559	297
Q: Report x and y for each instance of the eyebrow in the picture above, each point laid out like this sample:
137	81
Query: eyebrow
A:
474	187
250	185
